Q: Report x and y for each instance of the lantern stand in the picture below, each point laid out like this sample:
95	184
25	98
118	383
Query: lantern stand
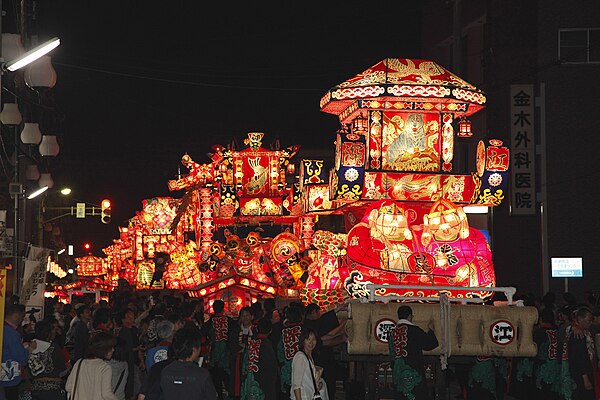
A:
16	187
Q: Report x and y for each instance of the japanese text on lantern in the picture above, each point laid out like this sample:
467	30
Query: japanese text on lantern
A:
523	147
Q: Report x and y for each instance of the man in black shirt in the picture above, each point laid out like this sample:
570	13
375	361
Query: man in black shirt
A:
183	378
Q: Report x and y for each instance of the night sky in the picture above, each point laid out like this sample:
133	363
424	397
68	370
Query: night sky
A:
141	83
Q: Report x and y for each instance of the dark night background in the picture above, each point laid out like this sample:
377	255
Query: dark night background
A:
141	83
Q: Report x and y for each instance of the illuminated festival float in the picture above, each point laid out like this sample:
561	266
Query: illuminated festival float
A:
244	226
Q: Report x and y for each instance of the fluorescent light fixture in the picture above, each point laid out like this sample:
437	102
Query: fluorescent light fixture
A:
475	209
61	251
37	192
65	191
32	55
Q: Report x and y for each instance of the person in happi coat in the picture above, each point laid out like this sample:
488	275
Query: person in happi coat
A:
407	343
547	364
260	366
288	345
219	330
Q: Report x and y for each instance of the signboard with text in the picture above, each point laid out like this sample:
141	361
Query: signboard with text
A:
571	267
522	133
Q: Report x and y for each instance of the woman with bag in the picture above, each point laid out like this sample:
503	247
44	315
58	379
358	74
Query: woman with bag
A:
91	377
307	383
120	373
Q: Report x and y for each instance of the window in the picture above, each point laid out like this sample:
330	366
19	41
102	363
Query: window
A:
579	46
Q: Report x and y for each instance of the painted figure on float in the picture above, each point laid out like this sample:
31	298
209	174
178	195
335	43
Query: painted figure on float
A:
443	250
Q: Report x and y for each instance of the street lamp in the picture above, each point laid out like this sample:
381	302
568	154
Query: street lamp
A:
11	119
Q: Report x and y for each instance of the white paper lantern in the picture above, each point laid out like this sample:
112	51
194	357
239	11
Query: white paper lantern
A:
46	180
49	146
41	74
31	133
32	172
12	47
10	114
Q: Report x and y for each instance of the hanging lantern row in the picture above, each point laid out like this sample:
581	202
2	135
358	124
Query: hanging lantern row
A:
31	134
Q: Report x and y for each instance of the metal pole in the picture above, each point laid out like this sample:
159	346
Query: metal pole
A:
16	230
544	190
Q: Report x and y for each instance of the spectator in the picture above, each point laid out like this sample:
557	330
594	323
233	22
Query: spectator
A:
165	330
102	320
46	364
91	377
128	334
581	356
14	353
184	378
307	383
118	365
80	334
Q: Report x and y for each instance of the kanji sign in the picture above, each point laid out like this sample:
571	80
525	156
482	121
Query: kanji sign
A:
502	332
523	148
383	329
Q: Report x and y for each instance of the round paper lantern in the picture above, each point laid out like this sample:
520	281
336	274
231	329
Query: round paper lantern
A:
12	46
32	172
46	180
49	146
31	133
40	74
10	114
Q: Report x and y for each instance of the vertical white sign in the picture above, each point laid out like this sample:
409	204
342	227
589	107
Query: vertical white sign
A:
522	161
34	283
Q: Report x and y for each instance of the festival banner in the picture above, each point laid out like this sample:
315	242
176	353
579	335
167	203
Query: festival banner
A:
522	133
34	283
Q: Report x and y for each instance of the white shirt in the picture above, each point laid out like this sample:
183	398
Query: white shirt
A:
301	378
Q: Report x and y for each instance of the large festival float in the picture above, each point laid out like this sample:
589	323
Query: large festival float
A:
245	225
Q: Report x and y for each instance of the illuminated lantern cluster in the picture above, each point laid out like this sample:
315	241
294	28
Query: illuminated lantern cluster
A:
206	219
91	266
55	269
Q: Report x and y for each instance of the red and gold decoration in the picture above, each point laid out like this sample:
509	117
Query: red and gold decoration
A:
91	266
245	227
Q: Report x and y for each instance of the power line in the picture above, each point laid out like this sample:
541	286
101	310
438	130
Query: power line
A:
190	83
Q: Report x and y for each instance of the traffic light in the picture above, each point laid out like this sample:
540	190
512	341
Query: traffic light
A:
87	246
105	211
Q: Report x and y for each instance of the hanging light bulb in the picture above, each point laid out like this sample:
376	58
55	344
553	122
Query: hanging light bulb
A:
31	133
46	180
10	114
41	74
32	172
12	47
49	146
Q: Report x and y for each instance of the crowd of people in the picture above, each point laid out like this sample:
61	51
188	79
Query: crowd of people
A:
168	348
